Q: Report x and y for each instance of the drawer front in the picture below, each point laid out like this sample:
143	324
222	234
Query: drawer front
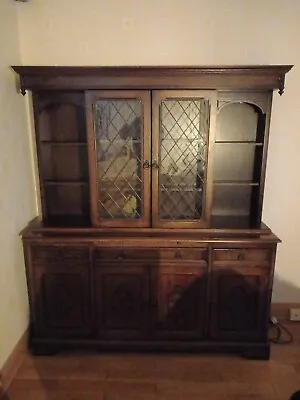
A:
243	255
151	254
59	255
125	254
184	254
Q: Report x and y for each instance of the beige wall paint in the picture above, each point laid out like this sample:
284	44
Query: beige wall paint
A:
140	32
17	202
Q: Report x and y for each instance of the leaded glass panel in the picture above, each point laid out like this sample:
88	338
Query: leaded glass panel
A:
118	139
184	132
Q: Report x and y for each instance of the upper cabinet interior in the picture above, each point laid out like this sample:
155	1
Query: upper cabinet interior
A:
132	147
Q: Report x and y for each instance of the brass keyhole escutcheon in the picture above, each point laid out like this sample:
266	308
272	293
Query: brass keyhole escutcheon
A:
155	164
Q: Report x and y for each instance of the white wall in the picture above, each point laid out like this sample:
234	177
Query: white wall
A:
157	32
17	202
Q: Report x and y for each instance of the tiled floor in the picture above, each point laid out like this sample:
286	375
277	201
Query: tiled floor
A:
154	377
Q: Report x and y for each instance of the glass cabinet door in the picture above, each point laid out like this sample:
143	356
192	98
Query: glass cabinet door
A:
183	134
119	157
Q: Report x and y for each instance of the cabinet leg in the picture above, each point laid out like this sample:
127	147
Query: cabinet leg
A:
257	352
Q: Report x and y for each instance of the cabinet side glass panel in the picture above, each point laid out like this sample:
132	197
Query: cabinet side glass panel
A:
184	129
118	142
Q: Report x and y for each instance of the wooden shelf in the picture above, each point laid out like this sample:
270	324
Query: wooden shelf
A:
67	143
181	189
233	222
235	183
250	142
65	183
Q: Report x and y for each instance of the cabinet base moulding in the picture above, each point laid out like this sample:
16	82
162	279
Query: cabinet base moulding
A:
282	310
249	350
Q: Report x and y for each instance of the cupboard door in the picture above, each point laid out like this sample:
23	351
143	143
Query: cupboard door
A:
122	297
239	302
180	296
183	136
118	125
62	299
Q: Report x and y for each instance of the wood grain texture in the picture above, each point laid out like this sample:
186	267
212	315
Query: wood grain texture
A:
158	377
13	363
220	77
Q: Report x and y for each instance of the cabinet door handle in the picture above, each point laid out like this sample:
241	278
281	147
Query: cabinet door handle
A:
155	164
146	164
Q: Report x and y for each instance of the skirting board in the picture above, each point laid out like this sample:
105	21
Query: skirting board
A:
12	364
282	310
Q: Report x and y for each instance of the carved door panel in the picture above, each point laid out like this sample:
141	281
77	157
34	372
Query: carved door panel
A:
122	300
179	300
62	301
239	303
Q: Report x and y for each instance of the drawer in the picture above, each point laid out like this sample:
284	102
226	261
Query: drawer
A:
240	255
125	254
151	254
184	254
59	254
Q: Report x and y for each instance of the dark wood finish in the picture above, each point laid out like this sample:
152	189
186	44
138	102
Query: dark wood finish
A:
122	300
210	77
38	226
262	101
263	256
62	155
158	298
61	284
240	293
157	254
179	300
147	283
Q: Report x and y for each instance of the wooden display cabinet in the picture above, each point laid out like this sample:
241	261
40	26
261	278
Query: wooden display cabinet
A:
151	183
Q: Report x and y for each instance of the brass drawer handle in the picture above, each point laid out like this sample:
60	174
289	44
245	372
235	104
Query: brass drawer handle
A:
240	256
178	255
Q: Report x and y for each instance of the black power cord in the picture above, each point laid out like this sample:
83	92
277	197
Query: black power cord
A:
279	334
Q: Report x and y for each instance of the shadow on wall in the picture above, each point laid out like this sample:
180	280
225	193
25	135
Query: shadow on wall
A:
284	290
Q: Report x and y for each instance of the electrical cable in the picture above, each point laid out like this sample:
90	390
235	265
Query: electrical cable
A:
282	334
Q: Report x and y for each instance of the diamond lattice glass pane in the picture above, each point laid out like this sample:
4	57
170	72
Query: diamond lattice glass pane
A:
118	136
183	144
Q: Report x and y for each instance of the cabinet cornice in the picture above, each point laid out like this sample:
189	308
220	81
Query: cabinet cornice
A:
253	77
